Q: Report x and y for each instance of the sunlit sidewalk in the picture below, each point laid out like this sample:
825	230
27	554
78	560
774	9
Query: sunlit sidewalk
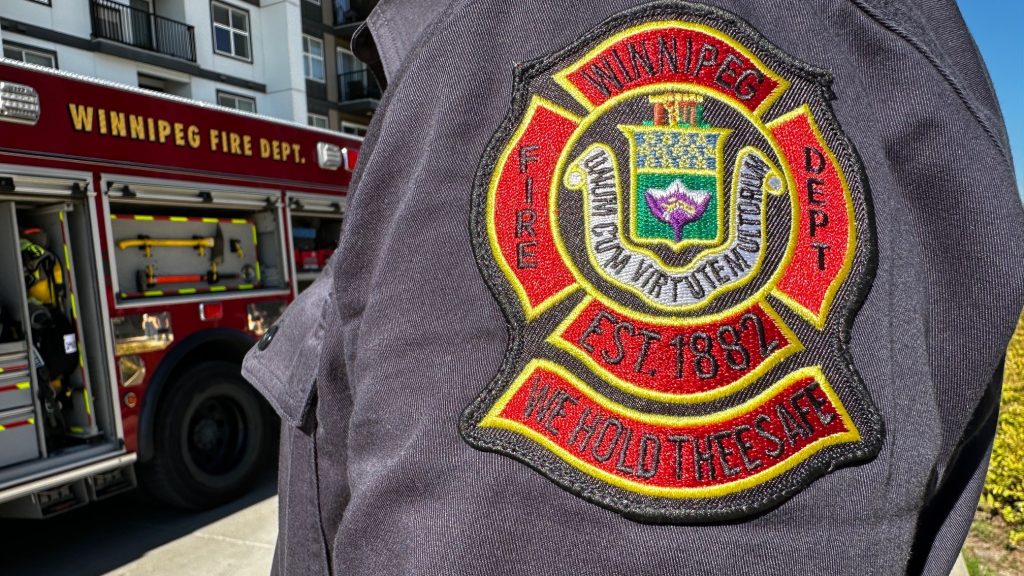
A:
241	544
132	536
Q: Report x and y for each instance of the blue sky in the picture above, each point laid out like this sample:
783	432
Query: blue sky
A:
998	28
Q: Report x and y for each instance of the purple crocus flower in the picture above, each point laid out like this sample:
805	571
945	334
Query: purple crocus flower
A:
677	205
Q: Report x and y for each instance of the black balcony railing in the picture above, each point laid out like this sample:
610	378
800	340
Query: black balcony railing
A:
142	29
357	85
349	14
352	11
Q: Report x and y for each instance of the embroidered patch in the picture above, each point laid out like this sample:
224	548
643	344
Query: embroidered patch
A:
679	235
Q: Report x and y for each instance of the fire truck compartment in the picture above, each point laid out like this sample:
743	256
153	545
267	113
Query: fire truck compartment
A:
53	413
315	227
55	222
180	241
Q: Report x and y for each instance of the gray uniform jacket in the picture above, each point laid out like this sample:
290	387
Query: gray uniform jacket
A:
388	369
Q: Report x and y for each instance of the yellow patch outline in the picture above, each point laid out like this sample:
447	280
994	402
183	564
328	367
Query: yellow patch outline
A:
562	76
556	183
531	311
556	338
818	319
493	419
718	173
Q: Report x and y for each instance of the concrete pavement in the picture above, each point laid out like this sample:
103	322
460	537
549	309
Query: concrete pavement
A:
239	545
129	536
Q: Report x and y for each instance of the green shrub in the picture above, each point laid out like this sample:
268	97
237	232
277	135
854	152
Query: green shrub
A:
1004	486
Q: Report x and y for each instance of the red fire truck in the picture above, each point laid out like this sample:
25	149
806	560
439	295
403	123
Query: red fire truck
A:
146	242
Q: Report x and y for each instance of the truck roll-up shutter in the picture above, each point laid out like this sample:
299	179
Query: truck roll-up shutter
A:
190	195
316	204
24	186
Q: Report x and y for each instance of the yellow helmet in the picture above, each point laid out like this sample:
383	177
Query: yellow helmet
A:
42	284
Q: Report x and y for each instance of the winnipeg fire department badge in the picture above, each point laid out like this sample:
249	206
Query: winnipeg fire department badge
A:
679	235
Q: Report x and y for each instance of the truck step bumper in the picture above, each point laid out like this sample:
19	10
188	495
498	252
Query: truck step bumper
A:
75	488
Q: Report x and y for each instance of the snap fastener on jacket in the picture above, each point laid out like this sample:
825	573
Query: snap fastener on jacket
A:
267	338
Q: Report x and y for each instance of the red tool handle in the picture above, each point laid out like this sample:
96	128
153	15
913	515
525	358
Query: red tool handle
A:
156	280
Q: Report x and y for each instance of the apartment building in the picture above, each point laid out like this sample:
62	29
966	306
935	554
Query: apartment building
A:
283	58
341	93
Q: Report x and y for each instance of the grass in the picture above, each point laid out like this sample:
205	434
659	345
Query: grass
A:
987	551
976	566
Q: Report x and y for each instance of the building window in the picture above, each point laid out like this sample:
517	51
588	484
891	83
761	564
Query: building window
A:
313	57
355	81
317	2
178	86
347	61
243	103
353	129
30	55
316	120
231	31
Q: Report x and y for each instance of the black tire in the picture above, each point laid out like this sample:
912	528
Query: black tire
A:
211	437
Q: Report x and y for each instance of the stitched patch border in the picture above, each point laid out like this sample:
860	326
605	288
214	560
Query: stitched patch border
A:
830	421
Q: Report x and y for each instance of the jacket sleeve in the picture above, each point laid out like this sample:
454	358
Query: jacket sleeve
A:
937	31
947	516
284	368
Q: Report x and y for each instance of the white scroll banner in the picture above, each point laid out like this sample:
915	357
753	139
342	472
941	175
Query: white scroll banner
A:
595	174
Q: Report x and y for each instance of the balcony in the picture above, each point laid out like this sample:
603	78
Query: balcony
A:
358	91
349	14
142	29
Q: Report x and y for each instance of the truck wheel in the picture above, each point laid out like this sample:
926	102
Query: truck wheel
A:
211	436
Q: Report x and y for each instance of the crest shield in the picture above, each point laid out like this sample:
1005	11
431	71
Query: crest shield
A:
676	163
